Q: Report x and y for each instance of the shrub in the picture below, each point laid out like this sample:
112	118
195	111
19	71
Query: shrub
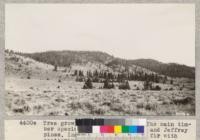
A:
27	63
66	114
59	100
183	101
88	84
171	88
150	106
98	111
28	77
156	88
14	58
18	110
140	105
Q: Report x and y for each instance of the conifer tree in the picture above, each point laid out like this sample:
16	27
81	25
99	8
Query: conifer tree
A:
88	84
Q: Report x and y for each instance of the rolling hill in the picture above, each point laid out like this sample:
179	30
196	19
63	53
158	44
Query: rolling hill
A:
67	58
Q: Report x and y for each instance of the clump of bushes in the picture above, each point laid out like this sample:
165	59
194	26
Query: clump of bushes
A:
88	84
183	101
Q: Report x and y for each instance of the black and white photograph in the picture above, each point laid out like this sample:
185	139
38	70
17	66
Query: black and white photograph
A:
100	59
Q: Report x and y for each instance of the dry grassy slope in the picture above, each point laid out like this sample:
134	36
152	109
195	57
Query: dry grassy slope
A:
22	67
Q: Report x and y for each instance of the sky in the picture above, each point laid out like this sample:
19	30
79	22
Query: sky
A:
165	32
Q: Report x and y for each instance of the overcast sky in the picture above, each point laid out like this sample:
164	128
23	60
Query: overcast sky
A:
165	32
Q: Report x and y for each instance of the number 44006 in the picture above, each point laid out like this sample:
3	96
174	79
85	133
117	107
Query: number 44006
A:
27	122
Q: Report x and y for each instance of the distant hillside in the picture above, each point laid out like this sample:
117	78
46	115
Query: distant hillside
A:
66	58
170	69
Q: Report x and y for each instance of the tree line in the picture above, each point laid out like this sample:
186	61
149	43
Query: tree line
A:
100	76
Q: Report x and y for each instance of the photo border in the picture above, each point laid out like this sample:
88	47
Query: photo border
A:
3	115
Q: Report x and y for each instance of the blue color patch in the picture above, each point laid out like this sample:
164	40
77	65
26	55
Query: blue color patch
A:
140	129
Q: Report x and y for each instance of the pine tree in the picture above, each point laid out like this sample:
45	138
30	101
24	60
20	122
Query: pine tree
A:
106	84
81	73
124	85
88	84
55	67
75	72
147	85
171	82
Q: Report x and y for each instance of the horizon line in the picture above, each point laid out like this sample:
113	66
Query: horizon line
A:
169	62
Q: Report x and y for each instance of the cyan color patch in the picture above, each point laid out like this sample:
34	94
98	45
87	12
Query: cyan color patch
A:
132	129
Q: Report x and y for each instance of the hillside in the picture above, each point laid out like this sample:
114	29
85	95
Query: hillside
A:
169	69
68	58
22	66
118	87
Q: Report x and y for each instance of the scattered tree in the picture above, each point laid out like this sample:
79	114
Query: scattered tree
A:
147	85
88	84
171	82
108	85
55	67
124	85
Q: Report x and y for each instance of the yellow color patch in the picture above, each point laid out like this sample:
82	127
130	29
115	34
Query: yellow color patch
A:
118	129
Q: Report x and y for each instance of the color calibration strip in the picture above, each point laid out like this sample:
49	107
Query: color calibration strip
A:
106	126
111	129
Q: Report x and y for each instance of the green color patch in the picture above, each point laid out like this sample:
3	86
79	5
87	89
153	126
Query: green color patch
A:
125	129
